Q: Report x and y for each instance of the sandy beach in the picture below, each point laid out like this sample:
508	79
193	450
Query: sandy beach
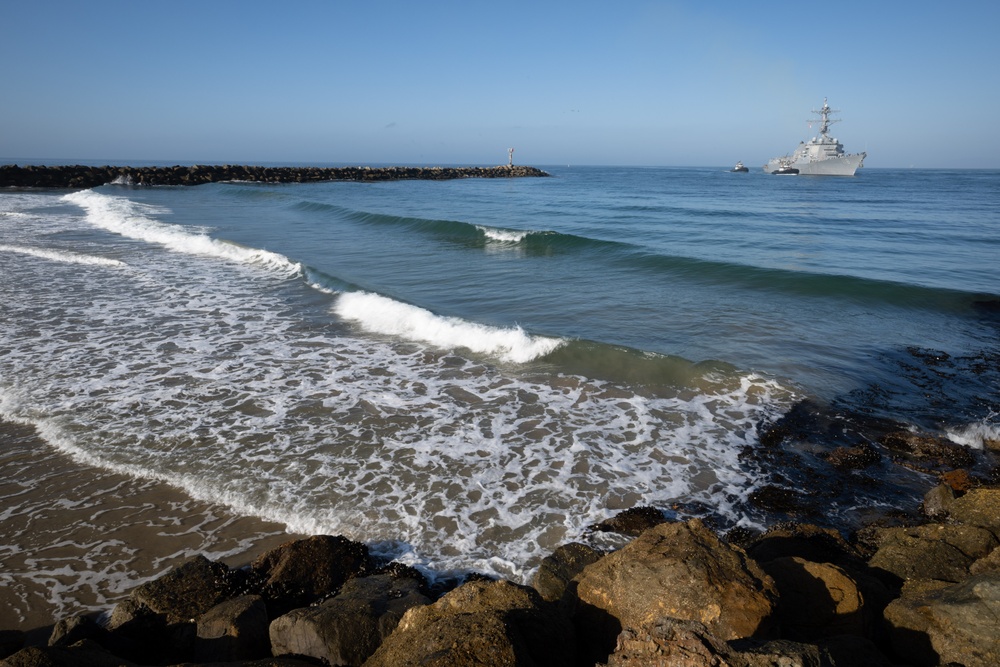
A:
76	539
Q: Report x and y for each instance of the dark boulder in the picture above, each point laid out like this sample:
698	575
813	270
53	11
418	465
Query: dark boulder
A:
803	540
927	452
854	458
631	521
558	569
11	641
817	600
68	631
84	653
233	630
301	572
187	591
348	628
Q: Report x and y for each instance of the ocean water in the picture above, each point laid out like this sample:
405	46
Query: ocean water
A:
463	374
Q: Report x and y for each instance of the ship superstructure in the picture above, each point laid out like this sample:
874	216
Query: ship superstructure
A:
822	155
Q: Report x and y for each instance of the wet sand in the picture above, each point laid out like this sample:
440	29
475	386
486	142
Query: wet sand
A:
76	539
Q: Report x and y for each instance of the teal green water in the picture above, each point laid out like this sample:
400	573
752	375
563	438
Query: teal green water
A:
469	373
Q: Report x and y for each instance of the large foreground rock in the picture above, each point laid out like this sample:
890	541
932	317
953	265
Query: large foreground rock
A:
347	629
932	551
979	507
934	623
669	642
676	570
495	623
233	630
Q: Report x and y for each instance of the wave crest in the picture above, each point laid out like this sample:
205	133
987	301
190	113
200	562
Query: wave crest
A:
379	314
133	220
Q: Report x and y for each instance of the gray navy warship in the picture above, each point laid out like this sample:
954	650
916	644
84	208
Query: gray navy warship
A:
820	156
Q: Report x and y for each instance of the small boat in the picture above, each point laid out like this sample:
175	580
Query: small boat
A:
784	167
739	167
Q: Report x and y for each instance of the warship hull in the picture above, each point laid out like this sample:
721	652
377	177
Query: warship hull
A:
820	156
845	165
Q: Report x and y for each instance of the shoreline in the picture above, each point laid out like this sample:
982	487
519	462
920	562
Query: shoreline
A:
82	534
919	592
75	537
81	176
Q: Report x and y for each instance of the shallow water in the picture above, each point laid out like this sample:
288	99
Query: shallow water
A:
467	374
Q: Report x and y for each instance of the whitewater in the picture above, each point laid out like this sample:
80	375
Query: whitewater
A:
461	375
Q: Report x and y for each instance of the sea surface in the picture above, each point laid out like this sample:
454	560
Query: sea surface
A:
463	374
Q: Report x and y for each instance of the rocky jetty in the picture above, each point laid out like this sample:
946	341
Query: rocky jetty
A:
922	594
79	176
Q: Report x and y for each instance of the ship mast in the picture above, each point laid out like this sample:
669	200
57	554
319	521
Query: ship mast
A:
825	119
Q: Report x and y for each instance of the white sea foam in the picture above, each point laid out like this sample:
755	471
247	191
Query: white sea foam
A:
503	235
975	435
382	315
62	256
134	220
205	376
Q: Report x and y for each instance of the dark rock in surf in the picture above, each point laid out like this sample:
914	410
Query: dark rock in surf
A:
927	452
854	458
559	568
631	521
301	572
780	499
937	501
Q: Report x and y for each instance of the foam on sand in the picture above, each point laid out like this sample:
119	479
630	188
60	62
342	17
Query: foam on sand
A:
62	256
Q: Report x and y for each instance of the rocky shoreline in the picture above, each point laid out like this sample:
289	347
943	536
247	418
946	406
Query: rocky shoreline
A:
925	593
80	176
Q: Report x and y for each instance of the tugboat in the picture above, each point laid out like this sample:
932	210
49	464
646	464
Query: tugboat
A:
739	167
785	167
820	156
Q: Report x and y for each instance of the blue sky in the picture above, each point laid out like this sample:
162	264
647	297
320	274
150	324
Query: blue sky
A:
609	83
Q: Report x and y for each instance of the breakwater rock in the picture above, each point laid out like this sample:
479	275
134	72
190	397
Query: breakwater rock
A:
927	593
80	176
